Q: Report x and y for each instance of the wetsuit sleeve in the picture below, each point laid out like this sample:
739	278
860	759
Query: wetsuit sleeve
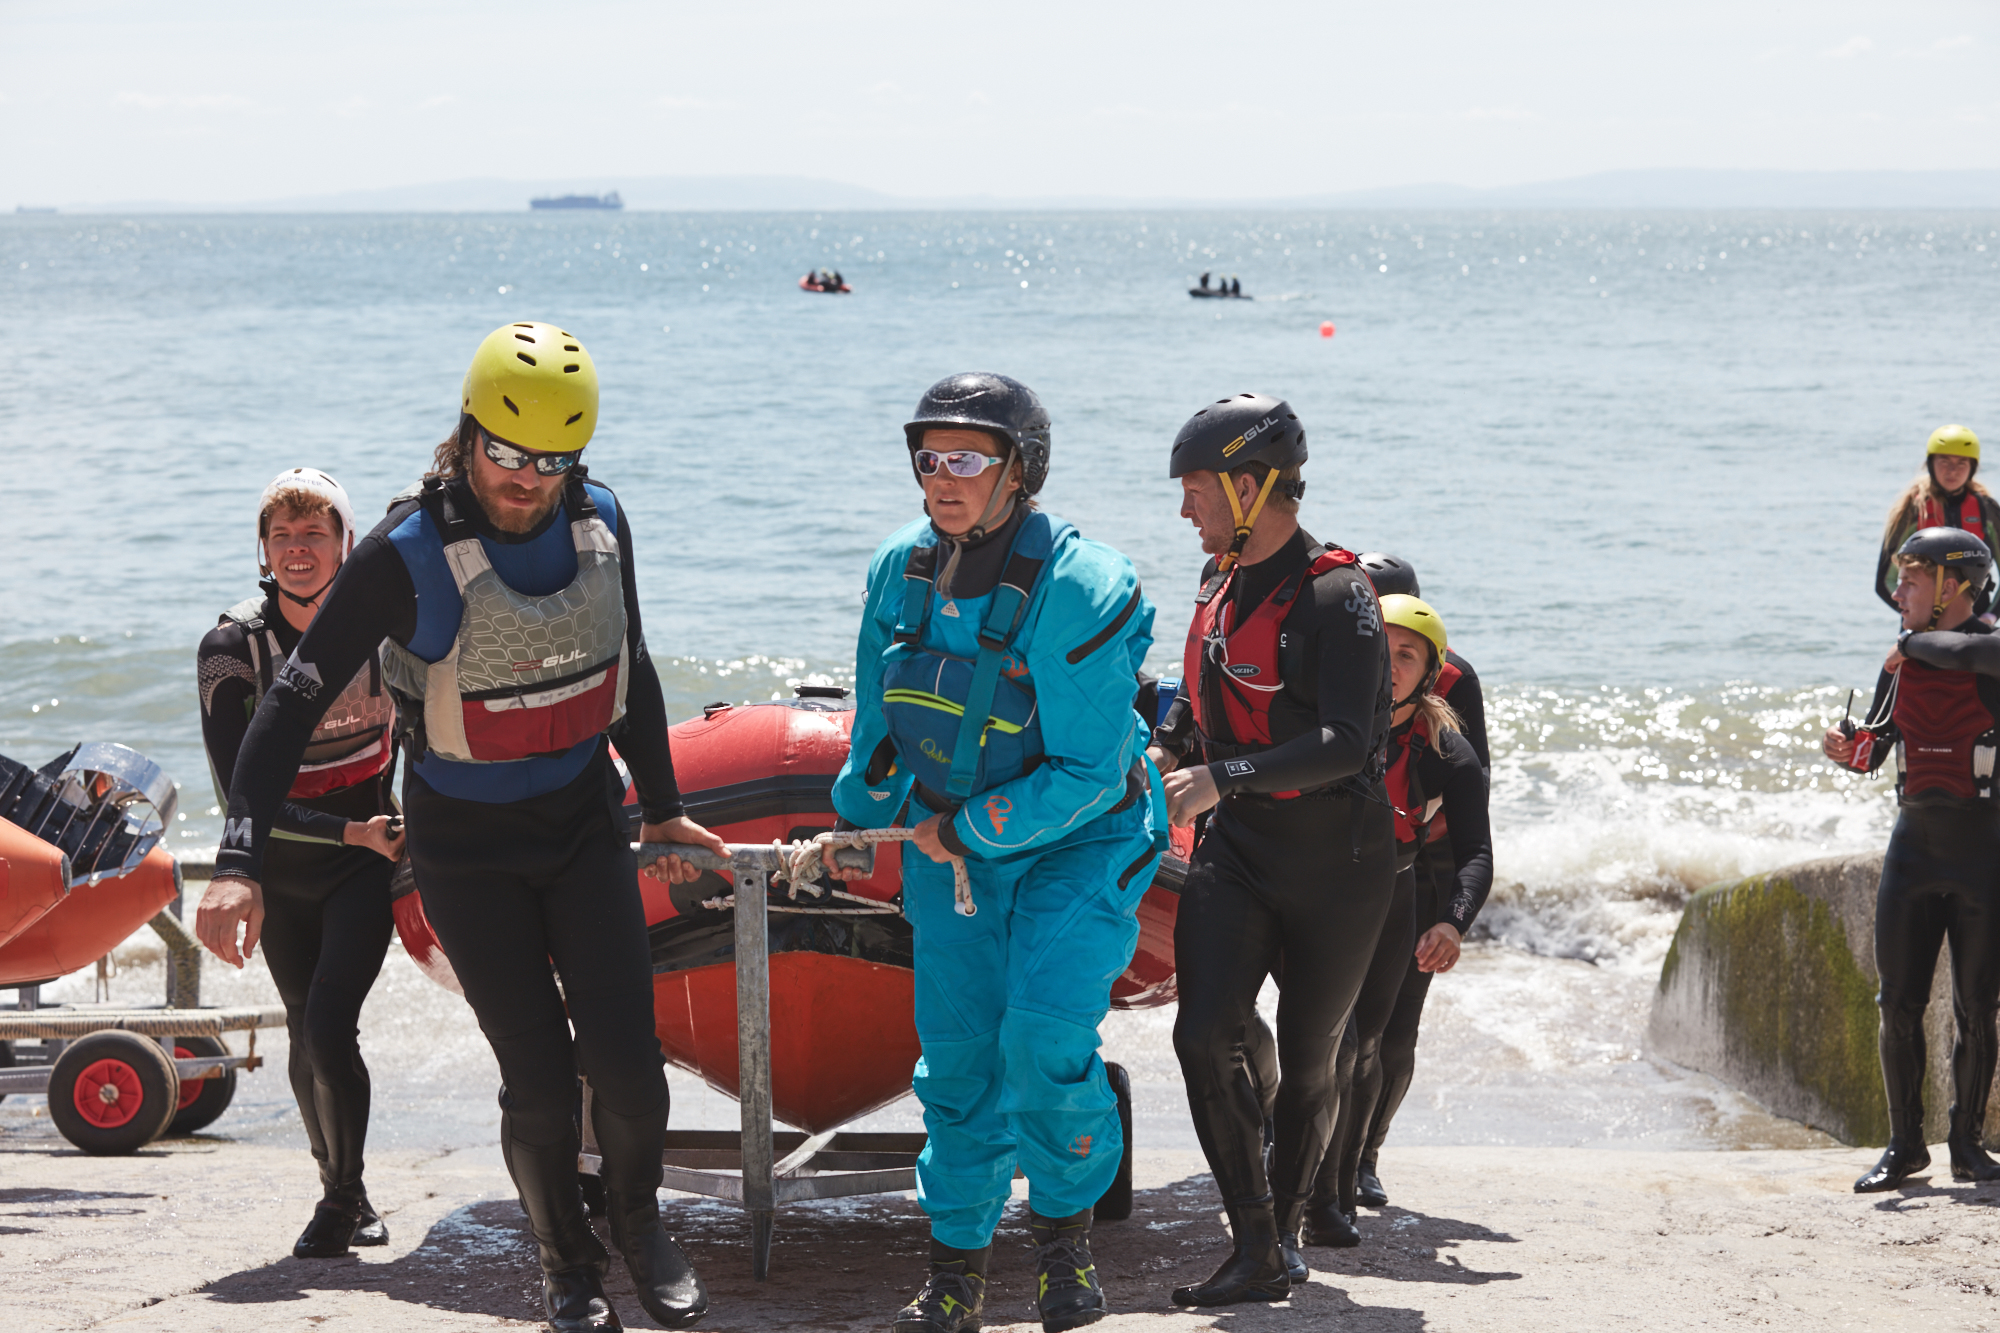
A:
1956	651
228	681
1085	639
1468	700
870	788
1352	682
1462	783
1876	736
372	599
641	735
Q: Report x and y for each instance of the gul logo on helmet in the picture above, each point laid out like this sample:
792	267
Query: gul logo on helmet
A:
1234	445
1255	431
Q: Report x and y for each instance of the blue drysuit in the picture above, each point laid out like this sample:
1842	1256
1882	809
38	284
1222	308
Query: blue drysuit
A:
1008	1000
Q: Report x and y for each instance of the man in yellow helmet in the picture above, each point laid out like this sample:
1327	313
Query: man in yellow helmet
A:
503	599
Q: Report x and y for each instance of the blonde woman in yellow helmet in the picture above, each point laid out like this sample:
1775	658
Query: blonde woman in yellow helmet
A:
1943	495
502	596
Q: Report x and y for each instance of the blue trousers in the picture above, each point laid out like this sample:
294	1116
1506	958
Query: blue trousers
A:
1007	1006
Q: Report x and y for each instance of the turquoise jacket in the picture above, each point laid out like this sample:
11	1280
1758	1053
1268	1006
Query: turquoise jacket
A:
1081	641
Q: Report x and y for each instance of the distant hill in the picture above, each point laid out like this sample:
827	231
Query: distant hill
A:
1665	189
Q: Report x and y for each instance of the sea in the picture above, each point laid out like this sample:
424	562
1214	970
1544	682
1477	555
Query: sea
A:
1641	462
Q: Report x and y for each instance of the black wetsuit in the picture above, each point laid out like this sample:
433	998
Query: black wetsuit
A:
326	914
1940	883
511	879
1370	1078
1298	884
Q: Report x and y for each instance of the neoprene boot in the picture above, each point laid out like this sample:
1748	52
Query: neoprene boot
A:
664	1276
1255	1270
1368	1187
1067	1292
573	1262
329	1233
1289	1212
369	1228
1906	1154
1329	1228
953	1295
1969	1160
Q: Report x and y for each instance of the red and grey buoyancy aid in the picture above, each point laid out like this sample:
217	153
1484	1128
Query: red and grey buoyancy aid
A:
351	744
1419	816
1230	664
1971	516
526	675
1945	736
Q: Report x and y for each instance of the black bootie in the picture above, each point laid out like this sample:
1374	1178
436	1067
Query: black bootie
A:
953	1295
1906	1154
668	1286
1067	1292
1368	1187
1329	1228
1255	1270
1969	1160
573	1262
369	1228
329	1233
1290	1211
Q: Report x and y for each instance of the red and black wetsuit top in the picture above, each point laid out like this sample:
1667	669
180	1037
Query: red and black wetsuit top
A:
1439	790
1294	694
1940	709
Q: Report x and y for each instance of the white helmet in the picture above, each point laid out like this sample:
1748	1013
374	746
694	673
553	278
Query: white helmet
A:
313	480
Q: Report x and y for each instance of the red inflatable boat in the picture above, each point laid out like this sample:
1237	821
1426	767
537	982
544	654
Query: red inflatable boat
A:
843	1039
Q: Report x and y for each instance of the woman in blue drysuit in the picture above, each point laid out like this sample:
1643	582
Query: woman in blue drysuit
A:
989	606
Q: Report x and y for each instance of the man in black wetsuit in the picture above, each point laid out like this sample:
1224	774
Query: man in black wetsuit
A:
1281	733
326	888
1937	705
504	603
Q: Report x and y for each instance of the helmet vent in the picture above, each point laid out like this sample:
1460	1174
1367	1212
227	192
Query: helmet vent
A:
522	336
571	347
529	326
510	404
571	368
574	418
525	357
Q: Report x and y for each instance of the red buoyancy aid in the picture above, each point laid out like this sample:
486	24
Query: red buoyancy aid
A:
1235	660
1419	818
1448	676
352	743
1970	516
1946	741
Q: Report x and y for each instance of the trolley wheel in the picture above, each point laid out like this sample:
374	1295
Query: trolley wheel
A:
111	1093
202	1100
1116	1205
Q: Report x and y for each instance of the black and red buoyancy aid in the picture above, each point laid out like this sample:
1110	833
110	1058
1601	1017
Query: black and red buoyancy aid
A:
1448	676
1945	736
1419	817
1971	517
1230	663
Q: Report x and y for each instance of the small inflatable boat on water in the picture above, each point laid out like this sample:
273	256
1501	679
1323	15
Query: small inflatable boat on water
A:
843	1039
812	282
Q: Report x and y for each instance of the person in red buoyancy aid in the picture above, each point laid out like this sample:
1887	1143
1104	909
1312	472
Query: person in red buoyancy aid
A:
1281	732
1944	495
334	847
1937	708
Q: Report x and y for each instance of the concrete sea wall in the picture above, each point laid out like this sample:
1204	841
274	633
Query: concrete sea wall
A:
1770	987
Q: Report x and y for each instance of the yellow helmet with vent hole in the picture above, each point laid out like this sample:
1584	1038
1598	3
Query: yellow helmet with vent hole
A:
533	385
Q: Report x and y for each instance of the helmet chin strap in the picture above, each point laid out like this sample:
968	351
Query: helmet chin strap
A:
270	585
1242	523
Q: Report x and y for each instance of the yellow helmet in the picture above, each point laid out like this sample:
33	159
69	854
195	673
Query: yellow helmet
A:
533	385
1415	614
1958	441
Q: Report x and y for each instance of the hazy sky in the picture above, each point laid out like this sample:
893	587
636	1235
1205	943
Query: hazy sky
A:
222	101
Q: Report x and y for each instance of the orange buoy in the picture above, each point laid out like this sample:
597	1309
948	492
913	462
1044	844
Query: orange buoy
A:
1326	328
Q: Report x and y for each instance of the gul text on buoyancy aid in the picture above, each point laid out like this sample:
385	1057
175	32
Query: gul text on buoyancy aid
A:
1231	662
1419	817
526	675
351	743
1945	736
961	724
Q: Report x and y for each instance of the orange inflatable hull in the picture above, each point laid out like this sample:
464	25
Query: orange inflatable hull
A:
33	880
89	923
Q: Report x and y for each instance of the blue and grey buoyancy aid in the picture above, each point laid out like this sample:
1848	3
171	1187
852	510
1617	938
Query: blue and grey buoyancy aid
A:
526	675
964	724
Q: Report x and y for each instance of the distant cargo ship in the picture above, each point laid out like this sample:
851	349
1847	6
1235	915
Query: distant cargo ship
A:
579	201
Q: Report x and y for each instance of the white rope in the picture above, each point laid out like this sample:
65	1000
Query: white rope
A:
803	861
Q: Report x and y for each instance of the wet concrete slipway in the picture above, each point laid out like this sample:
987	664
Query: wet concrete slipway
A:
1543	1173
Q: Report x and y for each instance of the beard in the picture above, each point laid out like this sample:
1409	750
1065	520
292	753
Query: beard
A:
507	517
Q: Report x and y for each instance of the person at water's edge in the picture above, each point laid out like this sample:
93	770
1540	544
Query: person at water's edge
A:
327	922
993	699
515	833
1937	705
1944	494
1282	732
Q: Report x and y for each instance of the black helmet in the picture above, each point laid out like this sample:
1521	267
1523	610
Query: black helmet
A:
1388	574
1956	552
1004	408
1249	428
